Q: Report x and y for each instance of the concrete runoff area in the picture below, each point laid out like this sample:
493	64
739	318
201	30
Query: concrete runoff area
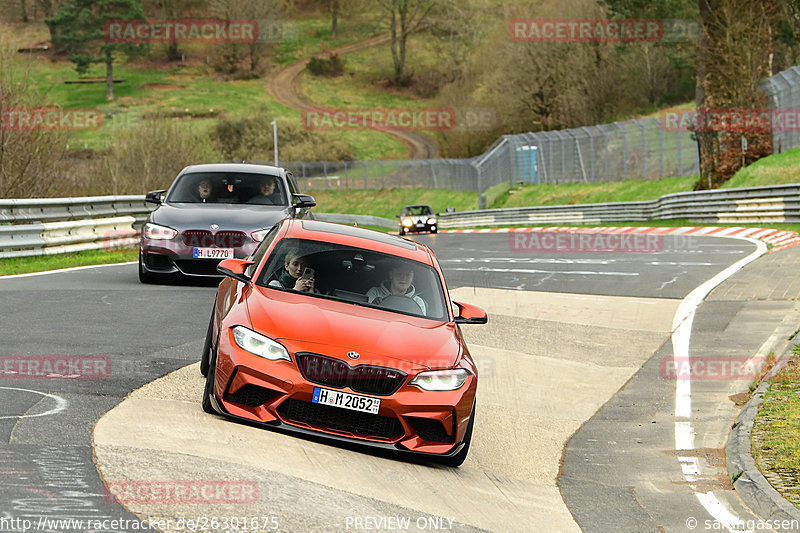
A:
547	362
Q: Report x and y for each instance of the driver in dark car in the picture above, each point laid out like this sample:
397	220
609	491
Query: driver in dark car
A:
400	283
266	192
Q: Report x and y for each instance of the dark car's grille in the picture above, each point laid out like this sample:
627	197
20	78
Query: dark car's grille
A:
229	239
198	237
198	267
222	239
251	396
343	420
429	429
366	379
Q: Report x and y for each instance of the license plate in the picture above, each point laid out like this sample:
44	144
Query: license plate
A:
213	253
346	400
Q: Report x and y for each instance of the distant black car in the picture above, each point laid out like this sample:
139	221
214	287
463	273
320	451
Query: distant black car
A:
418	218
215	212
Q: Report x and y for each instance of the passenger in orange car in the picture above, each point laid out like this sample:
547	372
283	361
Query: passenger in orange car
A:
294	275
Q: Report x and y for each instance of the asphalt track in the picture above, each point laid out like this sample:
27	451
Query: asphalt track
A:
566	333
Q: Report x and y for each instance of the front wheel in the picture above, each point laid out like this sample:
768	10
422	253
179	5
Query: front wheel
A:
458	459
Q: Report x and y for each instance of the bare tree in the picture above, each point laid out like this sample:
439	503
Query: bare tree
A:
171	10
266	13
734	54
30	157
404	18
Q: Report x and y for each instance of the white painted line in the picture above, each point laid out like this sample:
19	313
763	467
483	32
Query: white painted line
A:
60	270
61	404
681	335
534	271
721	513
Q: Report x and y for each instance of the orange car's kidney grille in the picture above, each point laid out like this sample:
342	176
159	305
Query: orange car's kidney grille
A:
341	420
367	379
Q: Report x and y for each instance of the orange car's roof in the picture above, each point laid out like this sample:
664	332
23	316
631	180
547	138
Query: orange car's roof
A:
317	230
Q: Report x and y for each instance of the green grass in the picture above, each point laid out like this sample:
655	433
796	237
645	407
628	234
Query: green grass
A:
773	170
312	35
24	265
388	203
590	193
360	87
775	437
194	90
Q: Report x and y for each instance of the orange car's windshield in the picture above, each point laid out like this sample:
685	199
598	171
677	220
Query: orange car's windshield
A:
355	275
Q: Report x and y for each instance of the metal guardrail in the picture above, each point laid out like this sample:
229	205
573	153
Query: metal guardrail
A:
60	225
764	205
48	226
361	220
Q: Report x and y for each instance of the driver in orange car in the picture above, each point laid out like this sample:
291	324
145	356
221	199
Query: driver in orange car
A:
400	283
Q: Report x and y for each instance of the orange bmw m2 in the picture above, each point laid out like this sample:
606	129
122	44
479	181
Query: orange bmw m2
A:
346	333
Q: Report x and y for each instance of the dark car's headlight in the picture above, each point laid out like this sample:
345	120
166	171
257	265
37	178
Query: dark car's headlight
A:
432	220
441	380
155	232
258	344
408	222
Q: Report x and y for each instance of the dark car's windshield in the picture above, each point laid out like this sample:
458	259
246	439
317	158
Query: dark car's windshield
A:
357	276
414	210
228	188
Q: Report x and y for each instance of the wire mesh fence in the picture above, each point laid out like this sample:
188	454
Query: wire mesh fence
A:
647	149
783	91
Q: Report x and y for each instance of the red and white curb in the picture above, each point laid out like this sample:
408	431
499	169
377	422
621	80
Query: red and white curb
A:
779	239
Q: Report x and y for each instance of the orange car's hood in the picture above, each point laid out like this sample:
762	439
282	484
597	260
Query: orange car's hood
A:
335	328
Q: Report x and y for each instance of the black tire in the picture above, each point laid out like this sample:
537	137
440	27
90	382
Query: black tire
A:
206	354
435	231
458	459
146	277
402	231
208	390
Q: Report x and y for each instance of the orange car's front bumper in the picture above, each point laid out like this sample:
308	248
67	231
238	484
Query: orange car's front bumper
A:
275	393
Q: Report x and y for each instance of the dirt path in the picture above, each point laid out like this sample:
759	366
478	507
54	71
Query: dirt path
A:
284	86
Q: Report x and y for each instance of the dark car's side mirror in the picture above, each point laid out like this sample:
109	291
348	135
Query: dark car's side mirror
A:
303	200
235	268
154	197
470	314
